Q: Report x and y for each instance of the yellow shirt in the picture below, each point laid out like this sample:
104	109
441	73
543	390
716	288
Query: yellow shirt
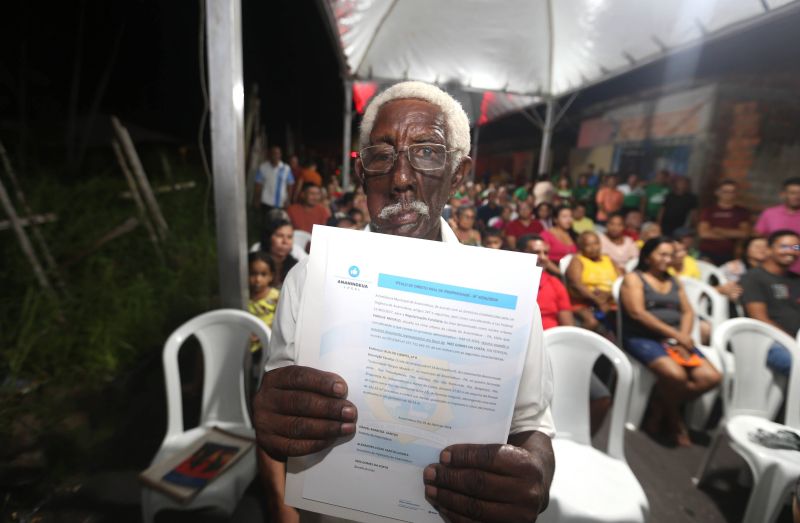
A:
690	269
582	225
264	309
598	275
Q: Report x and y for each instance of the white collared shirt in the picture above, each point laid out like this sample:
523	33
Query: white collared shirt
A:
532	408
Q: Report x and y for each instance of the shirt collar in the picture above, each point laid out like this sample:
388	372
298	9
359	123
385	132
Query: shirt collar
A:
448	236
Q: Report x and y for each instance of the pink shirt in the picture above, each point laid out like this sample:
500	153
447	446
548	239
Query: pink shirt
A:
619	254
558	249
777	218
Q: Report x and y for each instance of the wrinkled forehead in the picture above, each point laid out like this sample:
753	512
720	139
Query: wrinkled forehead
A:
418	118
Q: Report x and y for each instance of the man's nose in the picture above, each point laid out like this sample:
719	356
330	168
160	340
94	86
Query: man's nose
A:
404	177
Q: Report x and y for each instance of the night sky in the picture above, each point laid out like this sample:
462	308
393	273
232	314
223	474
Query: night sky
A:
148	49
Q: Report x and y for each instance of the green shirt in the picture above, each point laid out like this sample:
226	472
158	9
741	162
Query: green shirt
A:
521	193
655	194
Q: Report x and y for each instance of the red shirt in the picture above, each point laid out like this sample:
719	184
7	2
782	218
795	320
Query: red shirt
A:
552	298
304	218
725	219
516	229
557	249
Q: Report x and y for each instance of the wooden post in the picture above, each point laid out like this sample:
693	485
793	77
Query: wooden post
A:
24	242
37	235
151	233
141	177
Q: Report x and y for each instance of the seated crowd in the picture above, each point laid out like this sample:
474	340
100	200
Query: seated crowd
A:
587	236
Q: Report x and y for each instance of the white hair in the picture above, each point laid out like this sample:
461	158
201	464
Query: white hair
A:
456	121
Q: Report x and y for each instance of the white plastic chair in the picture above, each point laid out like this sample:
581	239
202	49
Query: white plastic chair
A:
749	405
589	484
301	239
630	266
563	263
224	337
702	296
707	270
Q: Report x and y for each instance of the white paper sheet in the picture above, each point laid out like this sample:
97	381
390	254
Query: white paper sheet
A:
431	339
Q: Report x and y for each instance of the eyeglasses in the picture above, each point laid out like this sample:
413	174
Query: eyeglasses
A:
795	247
424	157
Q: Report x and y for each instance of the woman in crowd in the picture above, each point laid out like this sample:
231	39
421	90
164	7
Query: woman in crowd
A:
620	248
465	226
505	217
560	236
581	222
590	276
556	310
544	213
564	191
278	242
754	252
657	324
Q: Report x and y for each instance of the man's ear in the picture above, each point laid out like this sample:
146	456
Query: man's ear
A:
358	173
460	173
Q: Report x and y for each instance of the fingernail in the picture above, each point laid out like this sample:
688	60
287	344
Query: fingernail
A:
429	474
430	491
339	388
348	428
445	457
348	413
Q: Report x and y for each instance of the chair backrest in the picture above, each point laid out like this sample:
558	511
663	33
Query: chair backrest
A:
224	337
631	264
701	296
301	238
707	270
563	263
616	289
255	247
749	387
573	352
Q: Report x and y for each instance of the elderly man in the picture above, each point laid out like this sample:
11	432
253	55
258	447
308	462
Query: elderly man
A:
415	142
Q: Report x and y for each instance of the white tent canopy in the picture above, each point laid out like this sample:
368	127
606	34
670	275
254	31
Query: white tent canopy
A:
538	48
531	47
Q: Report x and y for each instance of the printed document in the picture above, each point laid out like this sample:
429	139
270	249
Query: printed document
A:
431	339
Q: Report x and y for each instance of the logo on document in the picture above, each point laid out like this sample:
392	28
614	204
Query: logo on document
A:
354	271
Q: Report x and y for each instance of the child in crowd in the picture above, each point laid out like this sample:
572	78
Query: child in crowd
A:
581	222
263	297
493	239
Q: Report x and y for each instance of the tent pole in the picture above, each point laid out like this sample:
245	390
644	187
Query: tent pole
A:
348	133
226	91
547	136
476	135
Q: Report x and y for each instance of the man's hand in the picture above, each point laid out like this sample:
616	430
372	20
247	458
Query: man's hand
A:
300	410
502	483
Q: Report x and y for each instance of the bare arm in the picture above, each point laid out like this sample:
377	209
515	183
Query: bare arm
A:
706	232
739	233
687	313
758	311
565	318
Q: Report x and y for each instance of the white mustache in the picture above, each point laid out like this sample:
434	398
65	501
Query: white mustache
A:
396	208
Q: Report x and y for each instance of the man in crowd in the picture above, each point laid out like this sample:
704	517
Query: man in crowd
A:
310	211
581	222
680	207
654	195
273	184
609	199
524	224
723	225
489	210
301	411
772	293
785	216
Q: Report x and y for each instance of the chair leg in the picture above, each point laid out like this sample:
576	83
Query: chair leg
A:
709	456
769	490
